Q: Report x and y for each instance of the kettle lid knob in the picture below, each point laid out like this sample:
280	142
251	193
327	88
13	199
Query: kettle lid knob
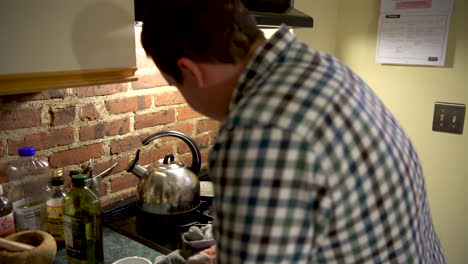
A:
168	159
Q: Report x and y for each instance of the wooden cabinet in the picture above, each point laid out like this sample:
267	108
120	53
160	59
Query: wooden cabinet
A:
54	44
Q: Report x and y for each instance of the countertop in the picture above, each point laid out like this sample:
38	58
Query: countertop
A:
116	246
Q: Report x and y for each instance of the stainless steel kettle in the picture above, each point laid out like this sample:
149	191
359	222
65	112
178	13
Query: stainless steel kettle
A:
168	187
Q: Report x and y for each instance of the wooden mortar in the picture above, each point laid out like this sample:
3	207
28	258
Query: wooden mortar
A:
43	251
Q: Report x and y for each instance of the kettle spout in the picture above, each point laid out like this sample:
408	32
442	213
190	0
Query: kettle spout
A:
136	169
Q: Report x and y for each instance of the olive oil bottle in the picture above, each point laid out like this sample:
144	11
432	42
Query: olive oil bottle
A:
55	208
82	223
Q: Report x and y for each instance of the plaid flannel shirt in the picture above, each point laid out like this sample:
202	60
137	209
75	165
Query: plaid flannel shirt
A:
310	167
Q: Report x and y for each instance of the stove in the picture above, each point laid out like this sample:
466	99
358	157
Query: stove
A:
159	232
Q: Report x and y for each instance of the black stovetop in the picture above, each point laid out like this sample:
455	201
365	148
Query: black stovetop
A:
160	232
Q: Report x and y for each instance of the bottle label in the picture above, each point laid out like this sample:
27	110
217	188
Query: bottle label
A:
30	216
7	225
55	220
75	237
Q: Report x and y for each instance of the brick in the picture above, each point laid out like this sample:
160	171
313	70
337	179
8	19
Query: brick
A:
186	128
126	181
207	125
151	79
101	130
42	140
131	104
205	156
50	94
144	135
126	144
155	154
168	98
107	200
154	119
1	148
179	128
185	113
76	156
187	158
89	112
44	95
53	94
102	189
213	136
205	142
67	179
99	90
63	116
202	143
121	166
23	118
3	172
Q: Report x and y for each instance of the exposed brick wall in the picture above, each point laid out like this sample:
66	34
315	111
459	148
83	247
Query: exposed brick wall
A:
105	123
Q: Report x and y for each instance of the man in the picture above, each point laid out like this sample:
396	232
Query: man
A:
309	166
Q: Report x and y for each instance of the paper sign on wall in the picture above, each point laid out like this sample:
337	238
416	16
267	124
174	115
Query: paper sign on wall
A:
413	32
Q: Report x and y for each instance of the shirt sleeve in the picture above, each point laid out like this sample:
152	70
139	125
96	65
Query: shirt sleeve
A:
271	200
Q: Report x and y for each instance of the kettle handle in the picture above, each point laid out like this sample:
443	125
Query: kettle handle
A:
196	156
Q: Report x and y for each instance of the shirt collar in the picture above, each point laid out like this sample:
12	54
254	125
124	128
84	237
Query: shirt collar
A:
262	62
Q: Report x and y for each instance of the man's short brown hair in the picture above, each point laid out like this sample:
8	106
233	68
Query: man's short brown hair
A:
209	31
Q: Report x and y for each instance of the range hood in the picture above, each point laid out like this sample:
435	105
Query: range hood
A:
291	17
267	13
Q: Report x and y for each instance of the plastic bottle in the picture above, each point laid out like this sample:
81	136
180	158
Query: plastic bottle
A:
55	208
83	223
7	220
29	176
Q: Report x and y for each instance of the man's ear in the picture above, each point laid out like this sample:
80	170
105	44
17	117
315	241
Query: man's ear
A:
191	72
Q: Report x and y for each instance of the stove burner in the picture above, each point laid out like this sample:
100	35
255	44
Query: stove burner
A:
160	232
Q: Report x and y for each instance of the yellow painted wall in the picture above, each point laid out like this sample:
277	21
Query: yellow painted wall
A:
410	93
325	12
348	29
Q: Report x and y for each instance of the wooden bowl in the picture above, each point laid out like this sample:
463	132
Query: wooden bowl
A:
43	252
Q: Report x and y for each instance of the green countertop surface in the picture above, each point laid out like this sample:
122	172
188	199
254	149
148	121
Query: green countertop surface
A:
116	246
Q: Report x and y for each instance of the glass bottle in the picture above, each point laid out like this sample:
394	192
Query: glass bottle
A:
55	208
93	185
7	220
83	223
73	172
29	176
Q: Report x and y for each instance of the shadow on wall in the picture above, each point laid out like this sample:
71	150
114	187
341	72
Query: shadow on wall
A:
104	33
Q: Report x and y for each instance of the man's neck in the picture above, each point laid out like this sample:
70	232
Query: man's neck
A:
224	78
258	42
239	69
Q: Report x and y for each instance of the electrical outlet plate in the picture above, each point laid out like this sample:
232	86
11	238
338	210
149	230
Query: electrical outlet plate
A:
449	118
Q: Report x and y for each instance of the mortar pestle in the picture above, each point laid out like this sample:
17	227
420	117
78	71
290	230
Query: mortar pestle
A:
43	248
